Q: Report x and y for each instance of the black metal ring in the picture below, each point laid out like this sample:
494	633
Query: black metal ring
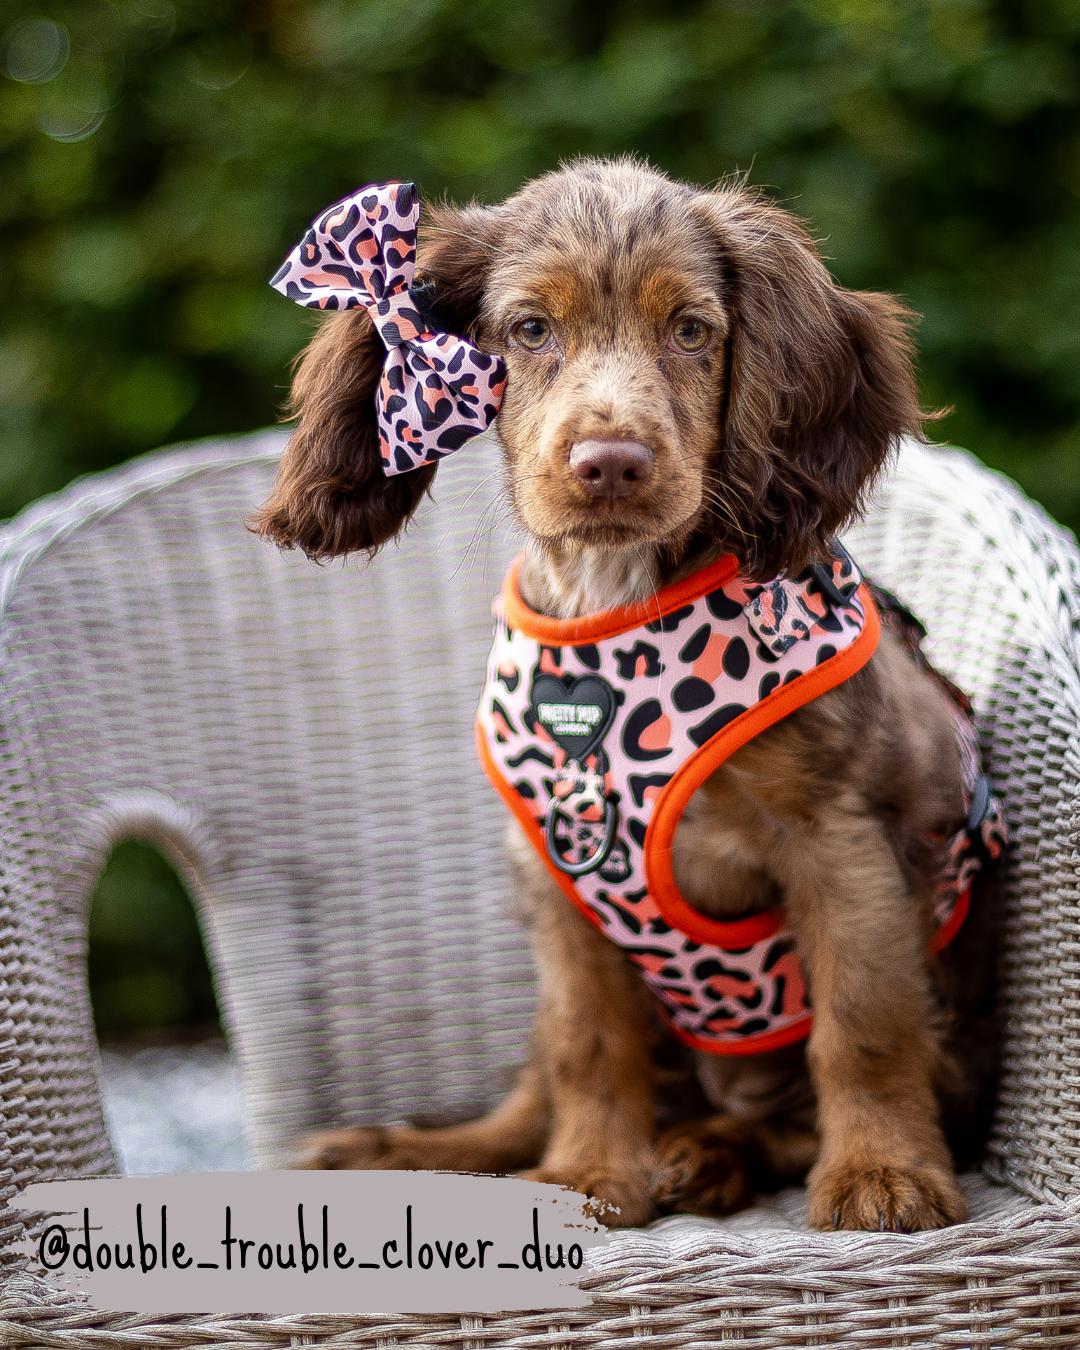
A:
597	857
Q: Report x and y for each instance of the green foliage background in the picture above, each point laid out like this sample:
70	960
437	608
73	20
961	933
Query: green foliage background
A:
157	159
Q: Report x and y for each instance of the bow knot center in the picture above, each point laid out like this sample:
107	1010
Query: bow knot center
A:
397	317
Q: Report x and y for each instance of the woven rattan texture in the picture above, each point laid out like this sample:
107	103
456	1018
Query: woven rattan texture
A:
298	739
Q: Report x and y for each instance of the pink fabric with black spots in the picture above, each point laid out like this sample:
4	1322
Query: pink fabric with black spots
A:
584	739
437	390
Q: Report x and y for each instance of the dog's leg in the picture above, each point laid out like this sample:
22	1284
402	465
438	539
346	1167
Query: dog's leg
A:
714	1166
510	1137
594	1030
862	934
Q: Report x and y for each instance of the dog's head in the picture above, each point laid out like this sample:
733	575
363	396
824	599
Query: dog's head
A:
681	365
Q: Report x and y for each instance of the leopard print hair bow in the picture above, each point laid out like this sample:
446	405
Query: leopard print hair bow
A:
437	390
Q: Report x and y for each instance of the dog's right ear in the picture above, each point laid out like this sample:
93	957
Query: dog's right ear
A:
331	496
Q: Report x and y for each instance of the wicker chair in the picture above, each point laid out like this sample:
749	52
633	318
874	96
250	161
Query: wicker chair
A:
280	730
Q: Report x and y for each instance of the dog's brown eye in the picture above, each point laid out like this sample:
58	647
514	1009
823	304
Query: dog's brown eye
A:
690	335
533	333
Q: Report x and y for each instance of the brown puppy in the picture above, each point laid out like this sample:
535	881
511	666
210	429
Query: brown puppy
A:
685	381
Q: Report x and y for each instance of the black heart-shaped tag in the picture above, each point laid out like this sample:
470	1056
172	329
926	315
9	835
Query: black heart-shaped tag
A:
575	710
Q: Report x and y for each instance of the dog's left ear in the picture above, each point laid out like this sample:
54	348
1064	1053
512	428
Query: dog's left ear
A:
821	384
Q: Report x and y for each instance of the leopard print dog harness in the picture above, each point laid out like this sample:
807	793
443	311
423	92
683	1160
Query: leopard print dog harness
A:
597	731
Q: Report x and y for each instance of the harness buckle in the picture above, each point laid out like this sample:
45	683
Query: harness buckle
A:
980	805
823	575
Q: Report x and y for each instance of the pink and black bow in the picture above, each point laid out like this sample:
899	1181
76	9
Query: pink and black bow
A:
437	390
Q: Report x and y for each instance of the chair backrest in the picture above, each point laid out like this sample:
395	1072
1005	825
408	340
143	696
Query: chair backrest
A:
299	740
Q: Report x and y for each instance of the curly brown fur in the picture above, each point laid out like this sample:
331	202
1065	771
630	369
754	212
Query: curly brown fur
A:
762	440
331	496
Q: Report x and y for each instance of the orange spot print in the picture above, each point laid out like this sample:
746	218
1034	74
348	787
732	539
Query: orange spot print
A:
790	969
674	996
329	279
727	986
647	961
657	735
710	664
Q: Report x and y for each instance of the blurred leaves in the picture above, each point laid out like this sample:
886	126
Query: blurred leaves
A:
159	158
147	969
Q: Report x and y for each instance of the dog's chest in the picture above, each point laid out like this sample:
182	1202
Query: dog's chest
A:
722	846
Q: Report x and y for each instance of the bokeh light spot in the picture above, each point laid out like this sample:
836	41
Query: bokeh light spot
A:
36	50
70	122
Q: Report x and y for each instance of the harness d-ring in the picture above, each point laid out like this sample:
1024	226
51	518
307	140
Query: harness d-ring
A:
598	855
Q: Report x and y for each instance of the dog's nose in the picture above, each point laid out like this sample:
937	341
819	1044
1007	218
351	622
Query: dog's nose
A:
611	469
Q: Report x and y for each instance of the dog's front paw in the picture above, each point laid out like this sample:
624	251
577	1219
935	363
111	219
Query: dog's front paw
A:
905	1198
703	1168
357	1149
617	1199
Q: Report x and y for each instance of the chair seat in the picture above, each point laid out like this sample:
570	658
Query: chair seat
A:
1008	1277
298	741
